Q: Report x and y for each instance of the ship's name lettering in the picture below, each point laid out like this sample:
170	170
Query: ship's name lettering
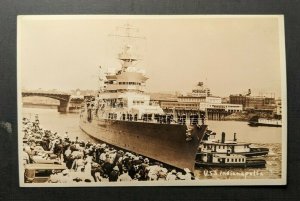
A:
209	173
254	173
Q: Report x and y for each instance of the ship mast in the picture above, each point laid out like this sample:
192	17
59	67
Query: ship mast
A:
101	78
126	56
128	78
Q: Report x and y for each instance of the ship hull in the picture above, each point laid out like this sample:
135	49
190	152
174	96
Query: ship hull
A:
255	124
252	152
163	142
249	163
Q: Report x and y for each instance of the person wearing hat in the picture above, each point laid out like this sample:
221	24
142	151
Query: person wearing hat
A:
76	140
97	145
59	149
27	149
153	172
88	144
65	177
136	161
161	176
118	161
180	176
133	169
69	159
145	163
171	176
73	146
119	155
97	153
26	158
96	171
126	162
114	175
112	156
107	166
66	135
54	177
125	176
107	159
82	144
187	174
137	177
78	164
102	157
143	172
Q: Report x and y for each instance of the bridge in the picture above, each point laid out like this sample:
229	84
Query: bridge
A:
66	101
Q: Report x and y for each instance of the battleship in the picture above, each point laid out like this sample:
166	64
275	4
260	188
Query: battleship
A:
122	114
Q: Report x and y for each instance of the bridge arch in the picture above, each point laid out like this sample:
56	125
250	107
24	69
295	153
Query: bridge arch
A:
64	99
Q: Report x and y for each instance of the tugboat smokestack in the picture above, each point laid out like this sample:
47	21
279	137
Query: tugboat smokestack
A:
223	137
234	137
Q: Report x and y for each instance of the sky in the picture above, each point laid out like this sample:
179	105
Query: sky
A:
229	54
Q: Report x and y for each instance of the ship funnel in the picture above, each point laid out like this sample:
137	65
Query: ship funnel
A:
234	137
249	92
223	137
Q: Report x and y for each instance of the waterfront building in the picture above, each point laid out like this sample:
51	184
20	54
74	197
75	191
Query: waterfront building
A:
201	90
201	101
256	103
238	99
168	106
278	107
230	108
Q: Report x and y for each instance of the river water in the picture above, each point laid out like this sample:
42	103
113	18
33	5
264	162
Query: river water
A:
269	137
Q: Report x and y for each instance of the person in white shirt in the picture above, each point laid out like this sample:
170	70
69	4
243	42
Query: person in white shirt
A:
125	176
171	176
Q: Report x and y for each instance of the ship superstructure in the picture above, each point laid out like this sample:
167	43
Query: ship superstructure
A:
123	93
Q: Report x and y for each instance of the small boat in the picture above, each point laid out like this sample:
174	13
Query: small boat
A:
227	160
210	144
256	121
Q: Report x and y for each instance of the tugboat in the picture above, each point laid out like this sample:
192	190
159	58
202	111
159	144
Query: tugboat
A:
211	144
215	153
256	121
228	160
122	115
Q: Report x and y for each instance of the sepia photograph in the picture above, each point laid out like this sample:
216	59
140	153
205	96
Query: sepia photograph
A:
157	100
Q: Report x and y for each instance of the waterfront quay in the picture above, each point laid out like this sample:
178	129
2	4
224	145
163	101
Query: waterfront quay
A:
52	157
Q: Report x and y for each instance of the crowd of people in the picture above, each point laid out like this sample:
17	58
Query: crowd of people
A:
89	161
